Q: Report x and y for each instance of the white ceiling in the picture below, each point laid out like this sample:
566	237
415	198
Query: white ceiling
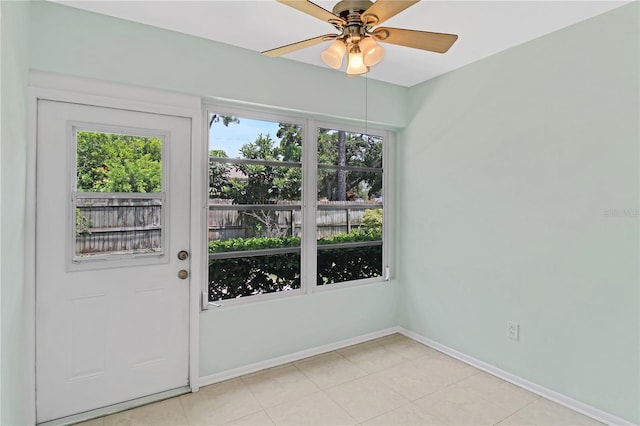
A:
484	27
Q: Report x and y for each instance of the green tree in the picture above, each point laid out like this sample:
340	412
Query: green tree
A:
290	136
226	119
218	174
351	149
290	182
264	184
108	162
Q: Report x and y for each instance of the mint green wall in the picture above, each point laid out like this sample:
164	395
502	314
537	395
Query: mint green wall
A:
520	202
238	336
14	64
74	42
79	43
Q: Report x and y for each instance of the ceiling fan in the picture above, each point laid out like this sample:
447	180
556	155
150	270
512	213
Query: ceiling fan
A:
355	20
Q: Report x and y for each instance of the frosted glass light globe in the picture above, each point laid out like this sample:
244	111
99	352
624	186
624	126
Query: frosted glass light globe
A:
356	65
372	52
334	54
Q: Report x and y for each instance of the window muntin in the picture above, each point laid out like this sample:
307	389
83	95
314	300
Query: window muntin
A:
255	209
117	197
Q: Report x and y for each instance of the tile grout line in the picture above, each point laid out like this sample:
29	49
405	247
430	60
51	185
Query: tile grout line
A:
343	408
519	409
184	410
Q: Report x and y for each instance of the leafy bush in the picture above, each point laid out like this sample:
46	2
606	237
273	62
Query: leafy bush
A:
243	276
256	243
337	265
83	224
348	264
372	219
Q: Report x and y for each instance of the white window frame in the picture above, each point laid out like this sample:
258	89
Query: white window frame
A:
385	135
308	247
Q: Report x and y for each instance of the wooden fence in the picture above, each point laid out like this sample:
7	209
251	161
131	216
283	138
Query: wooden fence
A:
133	225
118	225
227	221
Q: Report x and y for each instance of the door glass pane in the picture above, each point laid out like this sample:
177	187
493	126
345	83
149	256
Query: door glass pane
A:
110	162
118	199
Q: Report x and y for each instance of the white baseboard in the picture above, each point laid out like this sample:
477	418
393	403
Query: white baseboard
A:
581	407
285	359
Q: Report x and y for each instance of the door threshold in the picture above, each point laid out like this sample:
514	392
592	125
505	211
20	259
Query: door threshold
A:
116	408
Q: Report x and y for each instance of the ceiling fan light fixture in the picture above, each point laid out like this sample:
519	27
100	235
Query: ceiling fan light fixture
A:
334	54
356	65
355	21
372	52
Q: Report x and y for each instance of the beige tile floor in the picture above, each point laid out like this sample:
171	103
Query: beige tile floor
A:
389	381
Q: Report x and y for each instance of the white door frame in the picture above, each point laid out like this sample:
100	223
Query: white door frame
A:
54	87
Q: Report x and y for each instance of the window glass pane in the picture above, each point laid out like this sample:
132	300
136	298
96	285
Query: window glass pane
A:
235	277
336	218
242	183
363	186
341	148
124	221
236	137
255	212
349	242
338	265
230	222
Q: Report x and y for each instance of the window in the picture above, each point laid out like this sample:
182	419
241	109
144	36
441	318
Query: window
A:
117	195
291	210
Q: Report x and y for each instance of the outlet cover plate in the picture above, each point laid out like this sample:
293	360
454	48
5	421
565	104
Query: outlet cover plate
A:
513	330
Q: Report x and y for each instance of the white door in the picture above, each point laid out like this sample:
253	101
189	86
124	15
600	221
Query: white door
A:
112	312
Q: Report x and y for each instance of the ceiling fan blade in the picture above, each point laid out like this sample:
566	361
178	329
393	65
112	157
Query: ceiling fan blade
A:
310	8
433	42
283	50
385	9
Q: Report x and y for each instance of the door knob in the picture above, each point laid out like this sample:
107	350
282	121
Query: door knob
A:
183	274
183	255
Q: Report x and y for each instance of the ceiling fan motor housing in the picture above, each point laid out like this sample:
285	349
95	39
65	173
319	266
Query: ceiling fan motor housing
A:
351	9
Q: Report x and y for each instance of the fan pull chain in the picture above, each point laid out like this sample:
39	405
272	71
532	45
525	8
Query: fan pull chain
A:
366	104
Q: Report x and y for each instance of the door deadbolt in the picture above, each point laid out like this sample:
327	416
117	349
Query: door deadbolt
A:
183	255
183	274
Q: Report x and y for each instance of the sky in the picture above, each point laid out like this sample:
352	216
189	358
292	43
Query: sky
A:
230	139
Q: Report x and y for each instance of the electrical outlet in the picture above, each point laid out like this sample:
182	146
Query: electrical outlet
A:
513	330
